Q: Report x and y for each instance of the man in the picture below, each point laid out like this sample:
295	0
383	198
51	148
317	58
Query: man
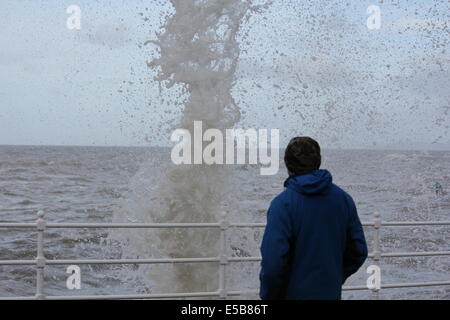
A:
314	239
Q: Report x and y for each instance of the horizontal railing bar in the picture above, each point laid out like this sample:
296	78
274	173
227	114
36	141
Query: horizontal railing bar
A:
123	296
415	284
194	225
17	262
18	298
414	223
138	296
128	261
133	261
411	254
194	260
133	225
247	225
242	292
216	294
113	225
111	261
415	254
21	225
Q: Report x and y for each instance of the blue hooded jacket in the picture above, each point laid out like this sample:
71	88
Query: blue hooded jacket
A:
313	240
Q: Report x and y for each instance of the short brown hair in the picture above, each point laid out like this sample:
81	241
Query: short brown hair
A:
302	155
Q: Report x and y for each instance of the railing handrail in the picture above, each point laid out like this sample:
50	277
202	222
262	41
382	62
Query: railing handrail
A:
124	225
197	260
214	293
223	259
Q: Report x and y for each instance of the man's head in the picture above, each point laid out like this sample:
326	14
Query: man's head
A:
302	155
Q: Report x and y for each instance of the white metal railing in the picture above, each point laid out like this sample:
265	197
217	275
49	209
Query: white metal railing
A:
223	259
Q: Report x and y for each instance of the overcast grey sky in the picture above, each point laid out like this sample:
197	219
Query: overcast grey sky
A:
307	68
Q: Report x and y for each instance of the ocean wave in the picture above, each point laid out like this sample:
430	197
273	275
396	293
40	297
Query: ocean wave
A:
79	179
26	202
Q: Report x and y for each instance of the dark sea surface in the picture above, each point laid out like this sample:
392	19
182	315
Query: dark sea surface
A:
92	184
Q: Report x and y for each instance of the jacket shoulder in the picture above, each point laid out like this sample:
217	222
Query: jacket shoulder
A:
282	202
348	200
280	199
341	191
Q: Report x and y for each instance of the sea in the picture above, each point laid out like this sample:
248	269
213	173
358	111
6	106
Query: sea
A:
98	184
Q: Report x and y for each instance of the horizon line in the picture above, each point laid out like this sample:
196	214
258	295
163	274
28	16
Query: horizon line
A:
386	148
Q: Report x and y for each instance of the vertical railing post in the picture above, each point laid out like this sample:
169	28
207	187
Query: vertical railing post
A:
40	259
376	249
223	259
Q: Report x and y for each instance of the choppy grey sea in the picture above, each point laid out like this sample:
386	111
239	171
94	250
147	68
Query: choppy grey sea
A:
88	184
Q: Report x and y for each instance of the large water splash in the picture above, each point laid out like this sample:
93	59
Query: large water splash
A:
198	51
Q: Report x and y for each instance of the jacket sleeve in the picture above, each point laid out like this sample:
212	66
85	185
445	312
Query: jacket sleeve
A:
274	251
356	248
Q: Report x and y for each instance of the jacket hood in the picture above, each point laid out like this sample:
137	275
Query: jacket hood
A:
314	182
